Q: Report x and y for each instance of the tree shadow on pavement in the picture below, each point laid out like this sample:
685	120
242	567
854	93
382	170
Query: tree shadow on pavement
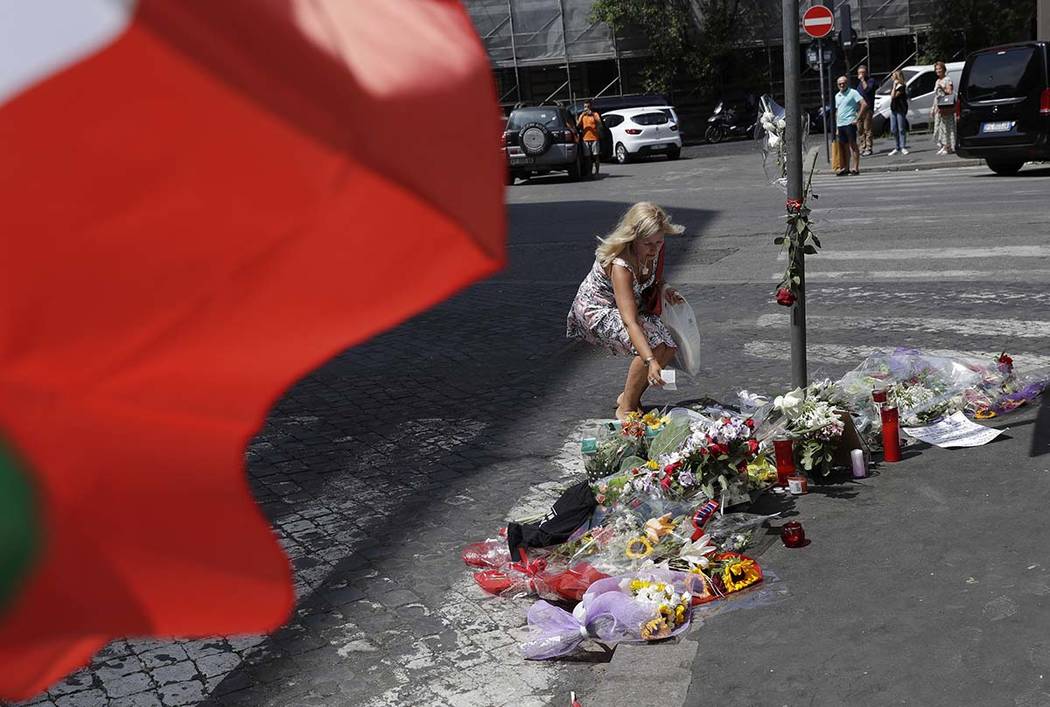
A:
377	469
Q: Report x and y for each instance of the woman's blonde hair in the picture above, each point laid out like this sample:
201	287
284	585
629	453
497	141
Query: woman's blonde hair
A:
898	76
642	220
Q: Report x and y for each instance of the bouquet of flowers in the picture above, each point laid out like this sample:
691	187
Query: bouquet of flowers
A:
812	418
626	446
636	607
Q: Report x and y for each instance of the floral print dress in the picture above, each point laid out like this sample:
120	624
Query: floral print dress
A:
594	317
943	121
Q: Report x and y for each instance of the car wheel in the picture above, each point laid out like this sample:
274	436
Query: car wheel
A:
674	153
714	134
1005	169
622	155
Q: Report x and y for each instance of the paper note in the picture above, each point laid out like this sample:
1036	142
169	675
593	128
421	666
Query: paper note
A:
954	431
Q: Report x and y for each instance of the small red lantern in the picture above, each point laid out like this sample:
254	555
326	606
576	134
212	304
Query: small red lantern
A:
792	534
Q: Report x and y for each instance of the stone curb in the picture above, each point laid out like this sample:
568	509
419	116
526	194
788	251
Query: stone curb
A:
628	678
912	167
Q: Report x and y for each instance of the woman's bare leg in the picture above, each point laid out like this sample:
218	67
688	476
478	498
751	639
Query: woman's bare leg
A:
637	381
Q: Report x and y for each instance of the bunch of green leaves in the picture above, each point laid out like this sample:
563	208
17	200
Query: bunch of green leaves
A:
958	27
799	237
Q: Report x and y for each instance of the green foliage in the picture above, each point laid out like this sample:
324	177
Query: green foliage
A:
959	27
630	462
670	438
686	39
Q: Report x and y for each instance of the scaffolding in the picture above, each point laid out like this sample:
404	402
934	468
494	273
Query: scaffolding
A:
540	49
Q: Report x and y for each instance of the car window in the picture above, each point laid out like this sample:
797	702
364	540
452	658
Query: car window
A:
922	85
655	118
549	117
611	121
1004	74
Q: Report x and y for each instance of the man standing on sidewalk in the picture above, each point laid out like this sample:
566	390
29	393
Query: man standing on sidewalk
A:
849	109
866	87
588	123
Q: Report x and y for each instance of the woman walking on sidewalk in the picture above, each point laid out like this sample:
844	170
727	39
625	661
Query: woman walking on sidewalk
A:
618	303
943	111
899	113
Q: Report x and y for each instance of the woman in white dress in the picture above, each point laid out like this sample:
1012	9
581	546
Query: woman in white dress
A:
943	118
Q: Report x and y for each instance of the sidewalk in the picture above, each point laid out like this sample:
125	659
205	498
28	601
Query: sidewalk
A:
922	154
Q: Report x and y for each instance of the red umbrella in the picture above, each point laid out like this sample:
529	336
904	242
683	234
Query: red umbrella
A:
206	207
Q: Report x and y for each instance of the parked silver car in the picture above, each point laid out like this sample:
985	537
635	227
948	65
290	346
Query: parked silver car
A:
539	140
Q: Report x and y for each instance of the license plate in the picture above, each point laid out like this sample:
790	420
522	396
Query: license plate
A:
1004	126
522	160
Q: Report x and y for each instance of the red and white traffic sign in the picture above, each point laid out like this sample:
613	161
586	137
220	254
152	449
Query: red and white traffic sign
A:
818	21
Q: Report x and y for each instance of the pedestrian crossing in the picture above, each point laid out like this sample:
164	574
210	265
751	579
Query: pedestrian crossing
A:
853	354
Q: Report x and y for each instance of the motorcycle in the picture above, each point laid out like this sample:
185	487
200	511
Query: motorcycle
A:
727	122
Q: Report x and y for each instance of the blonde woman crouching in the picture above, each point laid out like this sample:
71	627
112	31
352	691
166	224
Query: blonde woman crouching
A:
618	304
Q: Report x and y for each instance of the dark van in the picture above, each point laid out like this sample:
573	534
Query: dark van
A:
1003	109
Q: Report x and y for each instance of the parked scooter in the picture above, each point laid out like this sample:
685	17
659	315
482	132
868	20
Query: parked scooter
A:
730	121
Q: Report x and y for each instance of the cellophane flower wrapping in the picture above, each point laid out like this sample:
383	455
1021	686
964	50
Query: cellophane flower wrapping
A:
923	386
628	608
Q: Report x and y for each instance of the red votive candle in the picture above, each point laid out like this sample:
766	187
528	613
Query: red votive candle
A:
878	395
891	439
784	451
792	534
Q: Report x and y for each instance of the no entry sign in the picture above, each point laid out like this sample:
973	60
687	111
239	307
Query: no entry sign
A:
818	21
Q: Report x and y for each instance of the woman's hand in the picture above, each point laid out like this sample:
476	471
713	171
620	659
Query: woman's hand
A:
672	296
654	376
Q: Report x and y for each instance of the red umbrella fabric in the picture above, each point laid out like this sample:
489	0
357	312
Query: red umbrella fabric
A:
193	216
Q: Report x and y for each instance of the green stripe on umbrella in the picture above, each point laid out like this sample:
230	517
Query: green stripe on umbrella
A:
19	523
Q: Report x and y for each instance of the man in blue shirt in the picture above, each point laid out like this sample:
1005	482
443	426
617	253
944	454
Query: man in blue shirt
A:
849	108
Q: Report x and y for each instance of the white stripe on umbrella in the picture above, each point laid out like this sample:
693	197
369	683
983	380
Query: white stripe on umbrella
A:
40	37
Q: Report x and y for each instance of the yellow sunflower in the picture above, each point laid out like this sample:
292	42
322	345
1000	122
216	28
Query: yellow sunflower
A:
740	573
638	548
656	629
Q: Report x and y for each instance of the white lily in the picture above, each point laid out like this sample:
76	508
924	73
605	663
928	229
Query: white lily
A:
695	552
790	404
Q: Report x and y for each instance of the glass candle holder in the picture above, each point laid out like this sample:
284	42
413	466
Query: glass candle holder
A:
792	534
784	451
878	395
891	436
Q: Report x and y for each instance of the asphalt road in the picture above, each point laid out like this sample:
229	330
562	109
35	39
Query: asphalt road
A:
926	584
929	582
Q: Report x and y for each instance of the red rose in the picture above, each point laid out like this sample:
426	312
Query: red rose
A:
750	422
742	467
666	482
785	297
752	446
718	450
1006	364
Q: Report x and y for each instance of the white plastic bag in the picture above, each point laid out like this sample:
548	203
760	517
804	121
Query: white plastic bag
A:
681	320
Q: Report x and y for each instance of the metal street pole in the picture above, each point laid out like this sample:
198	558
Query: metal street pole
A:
793	157
824	101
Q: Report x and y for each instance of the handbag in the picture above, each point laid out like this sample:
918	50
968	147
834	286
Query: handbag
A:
946	101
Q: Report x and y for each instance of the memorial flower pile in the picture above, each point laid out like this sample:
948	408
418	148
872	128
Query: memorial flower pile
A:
653	533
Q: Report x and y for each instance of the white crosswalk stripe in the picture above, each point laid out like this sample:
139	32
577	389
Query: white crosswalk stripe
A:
1005	328
913	254
813	275
853	354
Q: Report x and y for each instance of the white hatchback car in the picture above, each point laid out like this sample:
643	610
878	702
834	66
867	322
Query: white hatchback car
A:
640	132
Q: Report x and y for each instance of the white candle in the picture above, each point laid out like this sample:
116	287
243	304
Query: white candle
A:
668	375
860	469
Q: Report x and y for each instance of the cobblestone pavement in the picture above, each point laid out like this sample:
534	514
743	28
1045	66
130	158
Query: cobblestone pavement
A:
376	469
